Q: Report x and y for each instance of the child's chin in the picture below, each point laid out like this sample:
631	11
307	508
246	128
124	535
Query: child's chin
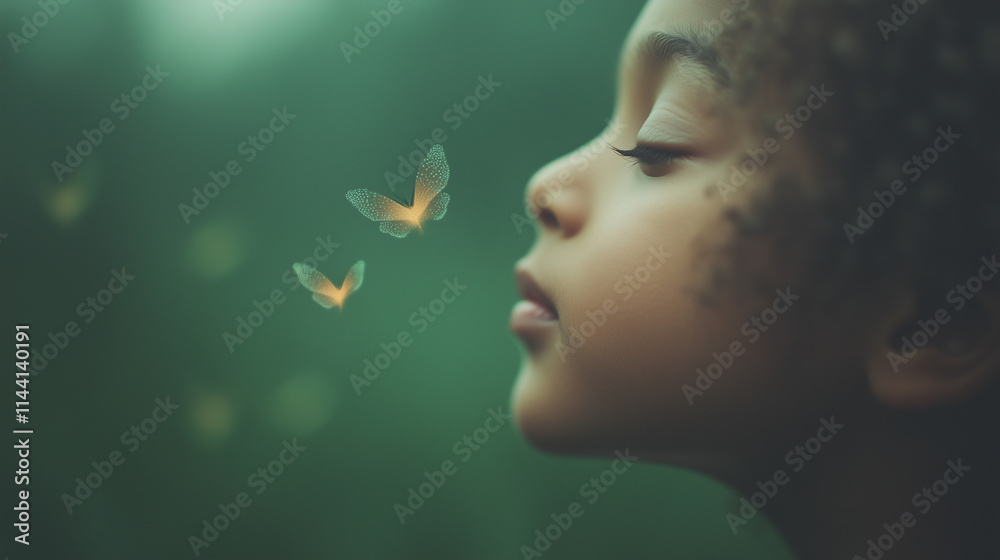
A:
547	419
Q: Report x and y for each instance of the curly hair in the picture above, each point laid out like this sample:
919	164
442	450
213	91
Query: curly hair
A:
902	74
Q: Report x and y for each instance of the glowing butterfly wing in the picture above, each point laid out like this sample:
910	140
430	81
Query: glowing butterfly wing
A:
396	228
355	276
396	218
431	177
399	220
314	279
436	208
326	301
324	292
376	207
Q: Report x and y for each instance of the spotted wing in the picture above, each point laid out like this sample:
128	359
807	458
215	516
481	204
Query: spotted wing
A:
313	279
431	177
324	292
398	228
376	207
326	301
355	276
436	207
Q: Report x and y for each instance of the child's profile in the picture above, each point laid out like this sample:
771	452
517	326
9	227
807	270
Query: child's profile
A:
782	271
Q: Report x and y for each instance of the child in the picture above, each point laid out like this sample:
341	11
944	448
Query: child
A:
784	272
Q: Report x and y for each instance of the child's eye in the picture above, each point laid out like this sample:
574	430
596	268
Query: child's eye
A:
651	159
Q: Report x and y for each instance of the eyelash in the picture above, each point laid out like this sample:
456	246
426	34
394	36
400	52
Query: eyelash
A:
648	156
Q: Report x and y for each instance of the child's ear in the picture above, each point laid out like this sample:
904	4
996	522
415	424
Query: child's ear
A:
937	357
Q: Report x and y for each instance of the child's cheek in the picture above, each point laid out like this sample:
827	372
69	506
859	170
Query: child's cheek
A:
630	302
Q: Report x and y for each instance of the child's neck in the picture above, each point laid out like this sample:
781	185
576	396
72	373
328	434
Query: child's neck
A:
865	488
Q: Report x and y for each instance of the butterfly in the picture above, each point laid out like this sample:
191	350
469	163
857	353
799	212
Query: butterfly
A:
324	292
429	203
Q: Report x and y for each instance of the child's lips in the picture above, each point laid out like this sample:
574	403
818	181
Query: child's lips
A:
528	315
536	310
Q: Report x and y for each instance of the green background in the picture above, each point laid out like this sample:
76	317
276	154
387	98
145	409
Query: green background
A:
162	336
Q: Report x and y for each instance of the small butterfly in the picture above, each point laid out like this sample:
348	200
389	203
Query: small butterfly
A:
324	292
429	203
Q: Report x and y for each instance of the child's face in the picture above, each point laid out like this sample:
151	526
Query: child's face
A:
624	249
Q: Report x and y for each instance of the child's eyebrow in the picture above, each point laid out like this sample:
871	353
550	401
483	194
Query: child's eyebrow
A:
661	49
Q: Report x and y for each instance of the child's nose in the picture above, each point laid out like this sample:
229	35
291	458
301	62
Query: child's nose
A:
558	196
